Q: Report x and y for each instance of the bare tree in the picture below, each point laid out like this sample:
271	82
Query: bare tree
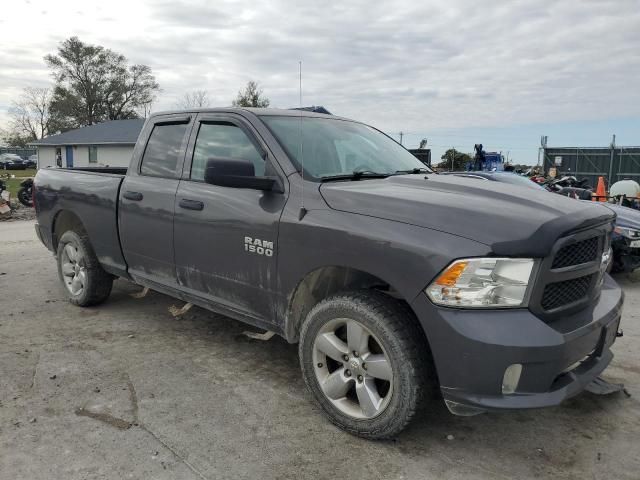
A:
30	116
195	99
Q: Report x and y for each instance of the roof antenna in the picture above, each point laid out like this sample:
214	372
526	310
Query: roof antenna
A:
303	211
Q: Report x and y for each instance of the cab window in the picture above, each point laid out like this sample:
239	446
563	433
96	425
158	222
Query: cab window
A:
223	140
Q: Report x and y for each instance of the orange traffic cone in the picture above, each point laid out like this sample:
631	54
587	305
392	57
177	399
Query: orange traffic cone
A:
601	193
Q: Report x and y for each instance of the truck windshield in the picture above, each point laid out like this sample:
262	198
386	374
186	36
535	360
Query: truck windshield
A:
333	147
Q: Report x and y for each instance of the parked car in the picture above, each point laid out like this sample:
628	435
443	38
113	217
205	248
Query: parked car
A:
394	280
504	177
625	241
11	161
32	161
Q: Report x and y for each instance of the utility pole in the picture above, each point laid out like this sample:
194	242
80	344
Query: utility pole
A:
401	135
453	156
613	149
543	145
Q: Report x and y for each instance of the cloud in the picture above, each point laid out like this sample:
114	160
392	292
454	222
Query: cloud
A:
395	64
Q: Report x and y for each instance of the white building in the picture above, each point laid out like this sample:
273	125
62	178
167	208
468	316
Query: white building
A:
108	144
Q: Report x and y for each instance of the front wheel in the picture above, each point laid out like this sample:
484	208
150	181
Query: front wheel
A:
365	361
85	281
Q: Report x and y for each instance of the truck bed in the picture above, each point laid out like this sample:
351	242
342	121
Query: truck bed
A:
88	195
102	170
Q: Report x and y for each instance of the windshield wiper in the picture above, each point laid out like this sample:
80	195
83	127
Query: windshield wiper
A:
356	175
412	171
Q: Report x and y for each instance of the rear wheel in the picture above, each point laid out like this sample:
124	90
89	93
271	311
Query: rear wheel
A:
365	362
85	282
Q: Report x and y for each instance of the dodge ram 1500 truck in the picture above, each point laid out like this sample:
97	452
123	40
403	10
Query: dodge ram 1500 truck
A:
395	281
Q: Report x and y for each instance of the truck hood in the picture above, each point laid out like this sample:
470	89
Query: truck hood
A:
512	220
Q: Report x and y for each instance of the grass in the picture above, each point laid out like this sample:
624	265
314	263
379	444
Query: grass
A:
13	184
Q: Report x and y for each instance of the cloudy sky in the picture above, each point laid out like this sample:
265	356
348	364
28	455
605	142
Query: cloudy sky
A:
457	72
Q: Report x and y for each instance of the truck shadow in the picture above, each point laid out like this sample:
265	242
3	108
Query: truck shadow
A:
213	352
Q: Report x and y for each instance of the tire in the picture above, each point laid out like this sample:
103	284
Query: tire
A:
391	331
88	284
25	198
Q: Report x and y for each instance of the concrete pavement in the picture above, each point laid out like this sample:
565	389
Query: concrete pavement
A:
125	390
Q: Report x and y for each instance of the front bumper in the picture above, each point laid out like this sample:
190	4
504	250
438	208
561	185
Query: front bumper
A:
473	348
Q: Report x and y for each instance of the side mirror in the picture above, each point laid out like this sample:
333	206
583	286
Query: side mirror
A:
231	172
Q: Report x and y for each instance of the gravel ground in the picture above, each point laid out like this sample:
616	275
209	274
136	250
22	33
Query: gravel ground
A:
127	391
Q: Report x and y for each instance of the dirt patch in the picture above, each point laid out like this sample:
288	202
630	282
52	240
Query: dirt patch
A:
119	423
19	212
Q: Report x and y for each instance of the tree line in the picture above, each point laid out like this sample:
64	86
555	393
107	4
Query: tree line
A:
452	159
93	84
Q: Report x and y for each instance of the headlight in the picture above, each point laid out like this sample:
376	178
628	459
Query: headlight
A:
483	283
628	232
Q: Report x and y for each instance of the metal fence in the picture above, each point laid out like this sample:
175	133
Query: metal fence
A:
618	163
422	154
21	152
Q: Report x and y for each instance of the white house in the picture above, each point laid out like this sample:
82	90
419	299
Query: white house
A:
101	145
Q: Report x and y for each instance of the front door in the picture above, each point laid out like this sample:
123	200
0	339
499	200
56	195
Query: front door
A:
226	239
147	198
69	156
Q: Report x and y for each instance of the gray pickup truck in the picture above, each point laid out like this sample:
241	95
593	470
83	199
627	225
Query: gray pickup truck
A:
400	285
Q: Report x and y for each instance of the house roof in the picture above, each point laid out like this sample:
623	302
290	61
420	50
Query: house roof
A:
121	132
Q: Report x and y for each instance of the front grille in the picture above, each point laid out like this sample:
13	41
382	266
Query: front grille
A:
570	278
577	253
559	294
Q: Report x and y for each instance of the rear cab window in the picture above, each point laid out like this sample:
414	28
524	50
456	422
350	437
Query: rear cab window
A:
161	156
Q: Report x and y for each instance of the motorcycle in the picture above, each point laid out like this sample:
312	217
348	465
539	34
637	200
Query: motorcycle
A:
25	194
556	185
625	239
569	186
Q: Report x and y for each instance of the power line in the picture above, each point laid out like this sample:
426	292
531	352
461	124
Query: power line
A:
454	135
498	147
402	134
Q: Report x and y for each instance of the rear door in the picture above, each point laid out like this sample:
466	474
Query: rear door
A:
147	198
226	238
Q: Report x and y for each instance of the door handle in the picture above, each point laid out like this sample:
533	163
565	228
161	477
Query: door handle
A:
191	204
135	196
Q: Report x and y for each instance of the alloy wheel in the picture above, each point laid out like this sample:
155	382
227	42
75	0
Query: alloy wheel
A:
74	270
352	368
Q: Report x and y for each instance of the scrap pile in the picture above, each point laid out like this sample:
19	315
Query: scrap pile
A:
5	197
